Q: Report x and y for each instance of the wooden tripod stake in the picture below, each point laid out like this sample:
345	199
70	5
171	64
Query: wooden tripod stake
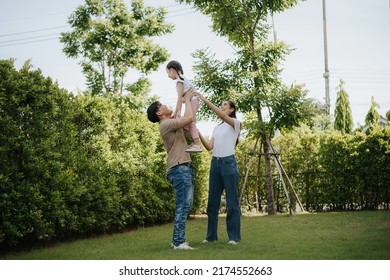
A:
281	172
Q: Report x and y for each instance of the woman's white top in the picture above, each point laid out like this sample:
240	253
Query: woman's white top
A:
225	138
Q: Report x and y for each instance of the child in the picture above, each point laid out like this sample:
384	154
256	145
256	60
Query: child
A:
175	72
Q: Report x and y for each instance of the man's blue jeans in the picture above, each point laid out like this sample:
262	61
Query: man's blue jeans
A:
182	179
224	175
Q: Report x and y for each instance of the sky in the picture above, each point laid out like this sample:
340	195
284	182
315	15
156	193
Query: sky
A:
358	42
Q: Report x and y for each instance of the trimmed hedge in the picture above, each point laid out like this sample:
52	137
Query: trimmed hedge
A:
336	171
73	165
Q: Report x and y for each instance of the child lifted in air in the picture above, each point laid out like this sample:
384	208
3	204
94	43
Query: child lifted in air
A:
176	73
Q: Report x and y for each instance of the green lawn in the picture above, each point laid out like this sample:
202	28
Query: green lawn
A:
323	236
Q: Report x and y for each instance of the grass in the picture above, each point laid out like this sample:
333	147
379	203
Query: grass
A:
323	236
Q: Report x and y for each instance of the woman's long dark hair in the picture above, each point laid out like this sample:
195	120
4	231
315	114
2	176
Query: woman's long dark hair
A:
232	105
233	115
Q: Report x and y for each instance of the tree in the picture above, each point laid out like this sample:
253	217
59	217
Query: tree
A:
372	116
111	39
252	79
343	113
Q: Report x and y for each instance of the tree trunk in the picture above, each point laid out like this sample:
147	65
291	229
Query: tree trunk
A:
268	171
268	178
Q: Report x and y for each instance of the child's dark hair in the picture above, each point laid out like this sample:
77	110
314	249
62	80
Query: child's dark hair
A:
173	64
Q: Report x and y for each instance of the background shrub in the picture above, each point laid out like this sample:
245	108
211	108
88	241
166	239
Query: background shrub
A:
74	165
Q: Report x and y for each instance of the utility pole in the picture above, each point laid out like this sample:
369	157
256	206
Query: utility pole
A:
326	73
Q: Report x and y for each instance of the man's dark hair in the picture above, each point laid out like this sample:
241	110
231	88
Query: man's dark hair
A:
152	111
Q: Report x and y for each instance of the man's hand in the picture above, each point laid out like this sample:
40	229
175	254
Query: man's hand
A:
187	117
189	94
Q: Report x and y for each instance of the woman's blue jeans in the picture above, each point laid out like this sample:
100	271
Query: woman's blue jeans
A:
224	175
182	179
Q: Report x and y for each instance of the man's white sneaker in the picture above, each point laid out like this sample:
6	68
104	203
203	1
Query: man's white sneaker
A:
183	243
205	241
232	242
183	246
194	149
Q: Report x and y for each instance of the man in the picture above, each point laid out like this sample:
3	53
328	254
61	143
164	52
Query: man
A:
180	173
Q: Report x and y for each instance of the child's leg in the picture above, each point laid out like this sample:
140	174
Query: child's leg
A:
193	130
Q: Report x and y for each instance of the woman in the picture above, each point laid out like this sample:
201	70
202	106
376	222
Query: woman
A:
223	171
